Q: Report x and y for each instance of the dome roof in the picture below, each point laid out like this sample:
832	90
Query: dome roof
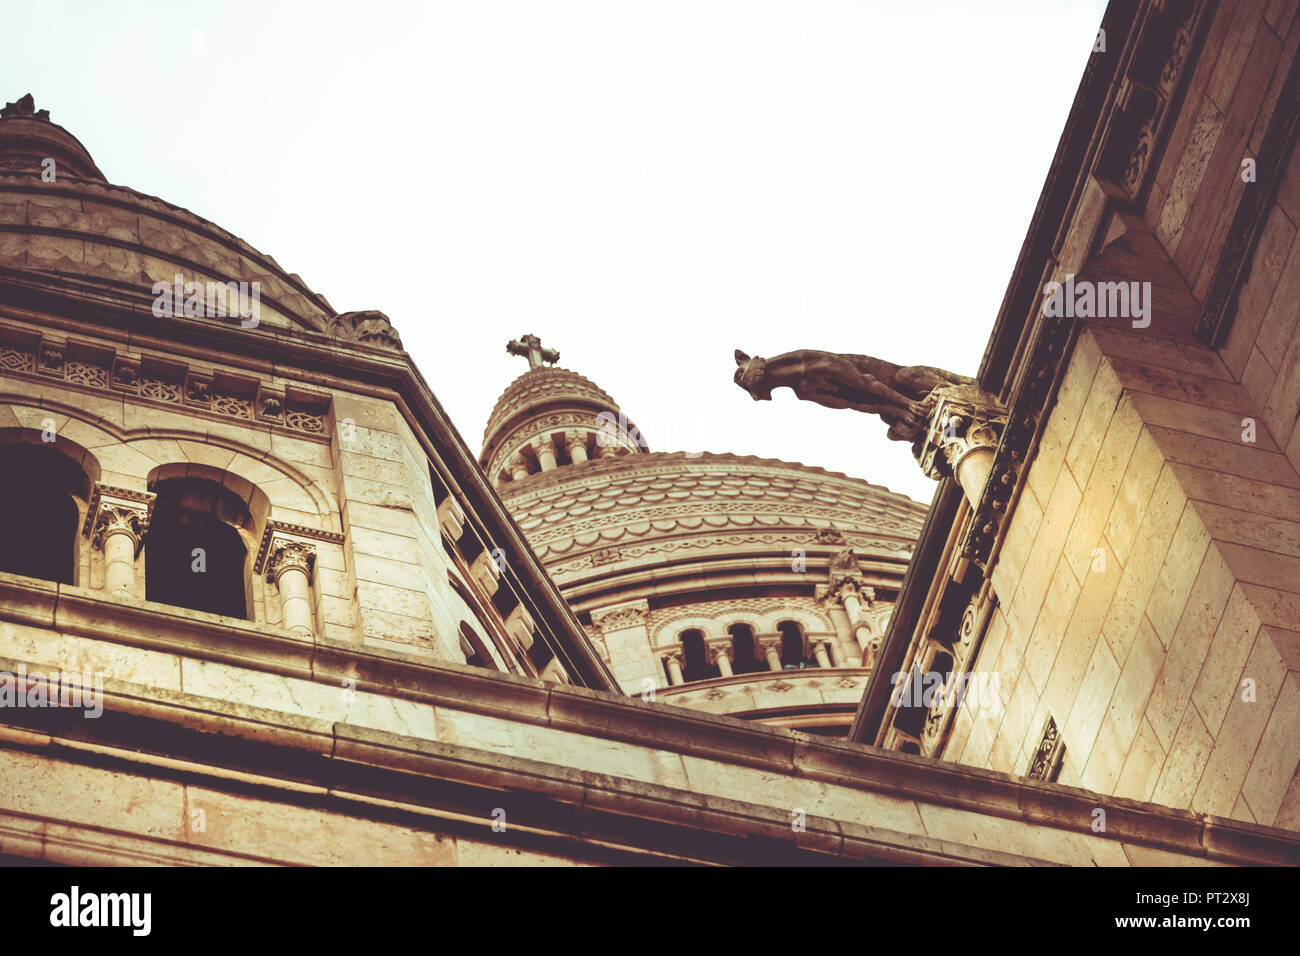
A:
30	140
67	223
541	391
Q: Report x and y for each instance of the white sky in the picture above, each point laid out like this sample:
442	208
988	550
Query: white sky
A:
647	186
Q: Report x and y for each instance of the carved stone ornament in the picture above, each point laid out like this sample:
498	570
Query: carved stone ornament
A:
964	420
1047	759
118	511
24	108
621	616
281	536
368	327
287	554
901	395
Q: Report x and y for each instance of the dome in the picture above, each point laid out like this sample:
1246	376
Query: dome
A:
552	417
85	236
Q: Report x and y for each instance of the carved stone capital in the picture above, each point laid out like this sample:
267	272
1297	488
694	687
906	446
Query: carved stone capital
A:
278	535
965	419
719	647
287	554
118	511
673	654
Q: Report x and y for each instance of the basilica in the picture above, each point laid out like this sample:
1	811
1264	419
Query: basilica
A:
308	623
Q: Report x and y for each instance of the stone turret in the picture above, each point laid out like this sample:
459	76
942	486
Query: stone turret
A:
551	418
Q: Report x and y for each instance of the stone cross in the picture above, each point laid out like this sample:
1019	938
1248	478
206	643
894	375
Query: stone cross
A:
531	347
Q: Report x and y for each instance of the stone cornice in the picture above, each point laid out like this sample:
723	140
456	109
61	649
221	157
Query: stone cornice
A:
586	712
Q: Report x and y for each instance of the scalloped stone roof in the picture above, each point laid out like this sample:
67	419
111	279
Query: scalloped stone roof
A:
665	494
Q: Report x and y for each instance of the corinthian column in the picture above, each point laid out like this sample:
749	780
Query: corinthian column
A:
720	654
289	565
117	520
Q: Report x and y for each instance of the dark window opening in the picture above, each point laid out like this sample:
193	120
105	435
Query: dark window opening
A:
40	527
194	556
472	646
791	645
695	660
744	659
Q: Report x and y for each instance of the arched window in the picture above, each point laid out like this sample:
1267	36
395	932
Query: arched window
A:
695	662
194	554
791	645
38	487
744	659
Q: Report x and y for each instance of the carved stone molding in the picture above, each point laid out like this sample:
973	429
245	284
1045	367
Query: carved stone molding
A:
1234	266
964	421
279	532
117	511
1166	41
621	616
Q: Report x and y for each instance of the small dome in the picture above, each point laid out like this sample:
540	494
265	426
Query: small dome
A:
30	140
557	407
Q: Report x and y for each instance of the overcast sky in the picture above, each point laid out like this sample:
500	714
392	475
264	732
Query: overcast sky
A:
647	186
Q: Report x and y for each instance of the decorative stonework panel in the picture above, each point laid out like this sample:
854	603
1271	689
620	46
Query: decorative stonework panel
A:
121	374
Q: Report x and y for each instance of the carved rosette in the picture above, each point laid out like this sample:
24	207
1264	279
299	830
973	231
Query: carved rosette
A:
961	424
118	511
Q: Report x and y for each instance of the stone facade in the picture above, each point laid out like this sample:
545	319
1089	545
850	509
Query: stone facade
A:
390	674
1141	614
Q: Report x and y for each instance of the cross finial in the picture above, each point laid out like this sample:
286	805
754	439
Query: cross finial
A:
530	346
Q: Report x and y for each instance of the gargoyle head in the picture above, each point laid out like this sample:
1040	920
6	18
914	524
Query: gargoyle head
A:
750	375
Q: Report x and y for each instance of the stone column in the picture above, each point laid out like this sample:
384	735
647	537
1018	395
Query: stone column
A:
545	450
962	439
820	654
772	652
518	467
289	565
117	520
720	654
849	653
576	445
673	661
852	594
